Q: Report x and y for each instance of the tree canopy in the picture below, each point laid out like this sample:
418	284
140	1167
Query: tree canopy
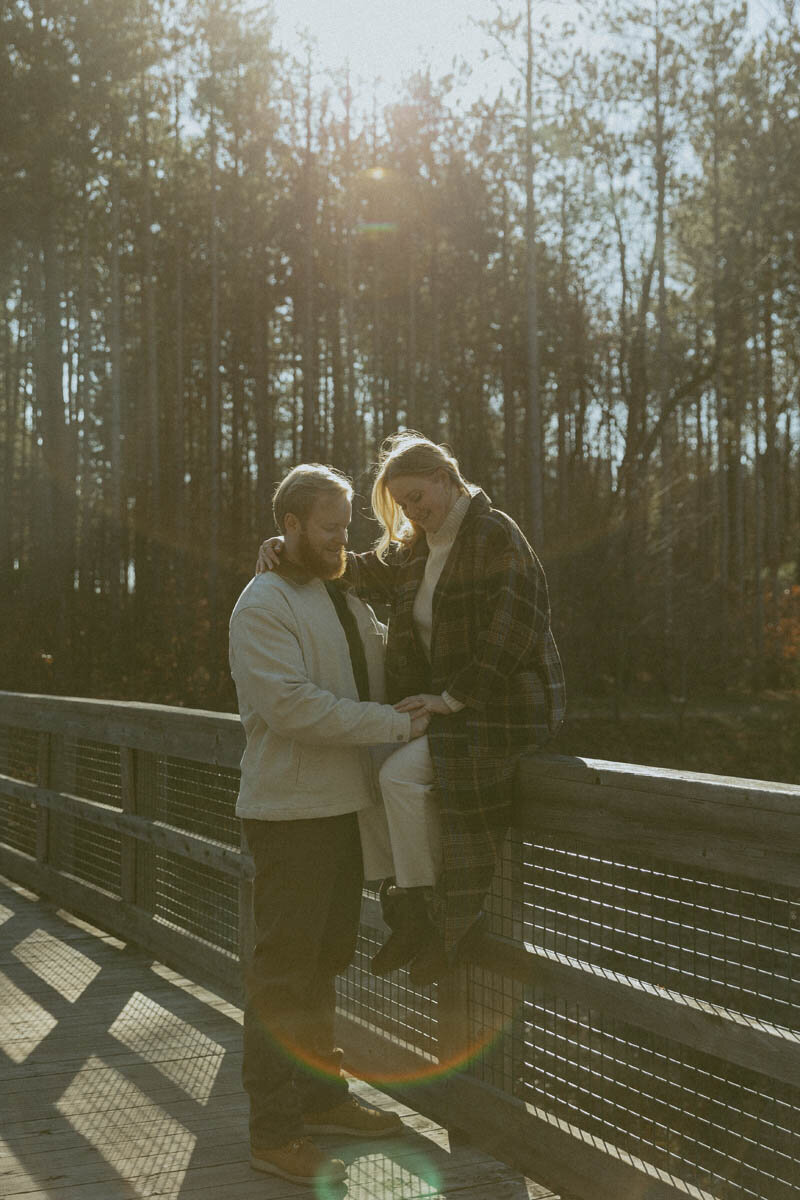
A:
218	261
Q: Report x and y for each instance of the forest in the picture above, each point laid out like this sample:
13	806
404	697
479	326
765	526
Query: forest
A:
218	259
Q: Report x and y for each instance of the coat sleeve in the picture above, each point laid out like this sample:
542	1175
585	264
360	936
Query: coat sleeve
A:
271	678
371	577
515	619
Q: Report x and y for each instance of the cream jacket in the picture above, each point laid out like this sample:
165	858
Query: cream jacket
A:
307	732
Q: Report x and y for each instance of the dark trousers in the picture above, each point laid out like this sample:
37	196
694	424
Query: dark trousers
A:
306	901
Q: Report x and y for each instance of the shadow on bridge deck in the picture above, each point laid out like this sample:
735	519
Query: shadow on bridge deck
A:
120	1078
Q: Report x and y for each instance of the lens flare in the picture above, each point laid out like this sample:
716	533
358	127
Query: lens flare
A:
329	1189
381	1175
375	228
456	1058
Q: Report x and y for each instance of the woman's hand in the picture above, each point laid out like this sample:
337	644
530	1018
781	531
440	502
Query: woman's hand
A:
269	555
423	703
419	725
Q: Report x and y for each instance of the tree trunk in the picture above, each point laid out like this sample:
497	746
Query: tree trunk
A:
771	507
308	314
533	413
265	425
148	597
115	521
723	559
56	544
179	498
507	371
214	489
662	370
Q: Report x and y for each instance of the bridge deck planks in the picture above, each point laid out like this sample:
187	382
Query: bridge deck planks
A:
119	1079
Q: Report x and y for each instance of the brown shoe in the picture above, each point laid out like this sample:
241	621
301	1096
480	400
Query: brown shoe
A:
354	1118
299	1161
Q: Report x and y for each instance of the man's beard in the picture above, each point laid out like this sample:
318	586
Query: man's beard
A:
318	565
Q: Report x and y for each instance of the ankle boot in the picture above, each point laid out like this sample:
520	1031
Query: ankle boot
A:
405	912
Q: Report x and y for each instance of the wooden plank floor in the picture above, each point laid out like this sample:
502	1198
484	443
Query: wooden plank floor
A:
119	1078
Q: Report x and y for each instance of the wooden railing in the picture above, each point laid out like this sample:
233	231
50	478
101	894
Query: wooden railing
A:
626	1028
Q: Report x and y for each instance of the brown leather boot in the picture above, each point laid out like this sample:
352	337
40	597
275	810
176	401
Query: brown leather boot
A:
299	1161
353	1117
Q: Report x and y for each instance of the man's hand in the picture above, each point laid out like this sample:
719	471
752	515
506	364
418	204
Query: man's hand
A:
419	725
423	703
269	555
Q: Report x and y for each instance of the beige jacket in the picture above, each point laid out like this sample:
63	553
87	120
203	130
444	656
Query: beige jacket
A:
307	732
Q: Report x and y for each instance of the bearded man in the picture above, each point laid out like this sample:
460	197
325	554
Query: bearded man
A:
307	660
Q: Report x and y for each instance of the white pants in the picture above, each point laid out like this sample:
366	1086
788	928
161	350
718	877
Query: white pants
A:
402	836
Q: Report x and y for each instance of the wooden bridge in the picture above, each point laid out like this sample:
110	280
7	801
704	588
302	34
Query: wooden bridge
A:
627	1030
121	1079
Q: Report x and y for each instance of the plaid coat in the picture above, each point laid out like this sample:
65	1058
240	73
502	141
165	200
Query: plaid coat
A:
492	649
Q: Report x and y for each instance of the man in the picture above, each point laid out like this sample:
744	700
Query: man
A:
305	657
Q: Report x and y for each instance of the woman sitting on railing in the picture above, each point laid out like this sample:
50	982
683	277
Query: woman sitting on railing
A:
469	643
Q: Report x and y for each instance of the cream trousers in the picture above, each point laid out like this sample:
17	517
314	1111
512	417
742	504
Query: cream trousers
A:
402	836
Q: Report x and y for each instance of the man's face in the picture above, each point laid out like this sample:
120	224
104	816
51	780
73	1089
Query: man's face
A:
320	541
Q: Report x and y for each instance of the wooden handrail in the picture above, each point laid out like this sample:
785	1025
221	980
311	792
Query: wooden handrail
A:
704	826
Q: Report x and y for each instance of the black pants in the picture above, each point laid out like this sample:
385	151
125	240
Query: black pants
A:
306	900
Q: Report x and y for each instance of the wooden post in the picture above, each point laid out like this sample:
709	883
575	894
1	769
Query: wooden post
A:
454	1029
508	1008
42	813
60	850
146	805
128	846
452	1010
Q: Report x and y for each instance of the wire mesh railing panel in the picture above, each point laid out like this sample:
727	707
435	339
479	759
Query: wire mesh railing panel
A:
197	899
391	1006
19	752
720	940
198	797
87	851
92	770
700	1121
495	1027
18	824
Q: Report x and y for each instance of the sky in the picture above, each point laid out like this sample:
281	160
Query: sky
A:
383	38
389	39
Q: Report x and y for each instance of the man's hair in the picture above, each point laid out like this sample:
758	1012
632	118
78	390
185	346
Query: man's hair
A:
301	487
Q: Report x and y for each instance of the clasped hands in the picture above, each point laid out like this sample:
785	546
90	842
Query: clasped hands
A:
421	708
423	704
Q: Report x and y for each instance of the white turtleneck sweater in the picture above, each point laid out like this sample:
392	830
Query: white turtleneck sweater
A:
440	544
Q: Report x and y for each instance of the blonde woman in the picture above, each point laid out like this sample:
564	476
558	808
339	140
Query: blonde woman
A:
469	644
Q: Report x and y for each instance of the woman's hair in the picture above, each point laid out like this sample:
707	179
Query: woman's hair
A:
301	487
407	453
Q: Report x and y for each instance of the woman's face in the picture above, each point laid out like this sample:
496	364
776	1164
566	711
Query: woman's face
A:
425	499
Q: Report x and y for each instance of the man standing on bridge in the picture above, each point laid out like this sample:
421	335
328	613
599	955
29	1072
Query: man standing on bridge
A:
306	657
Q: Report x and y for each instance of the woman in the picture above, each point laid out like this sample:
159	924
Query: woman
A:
469	643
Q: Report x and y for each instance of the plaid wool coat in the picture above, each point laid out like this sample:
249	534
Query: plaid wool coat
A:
491	649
